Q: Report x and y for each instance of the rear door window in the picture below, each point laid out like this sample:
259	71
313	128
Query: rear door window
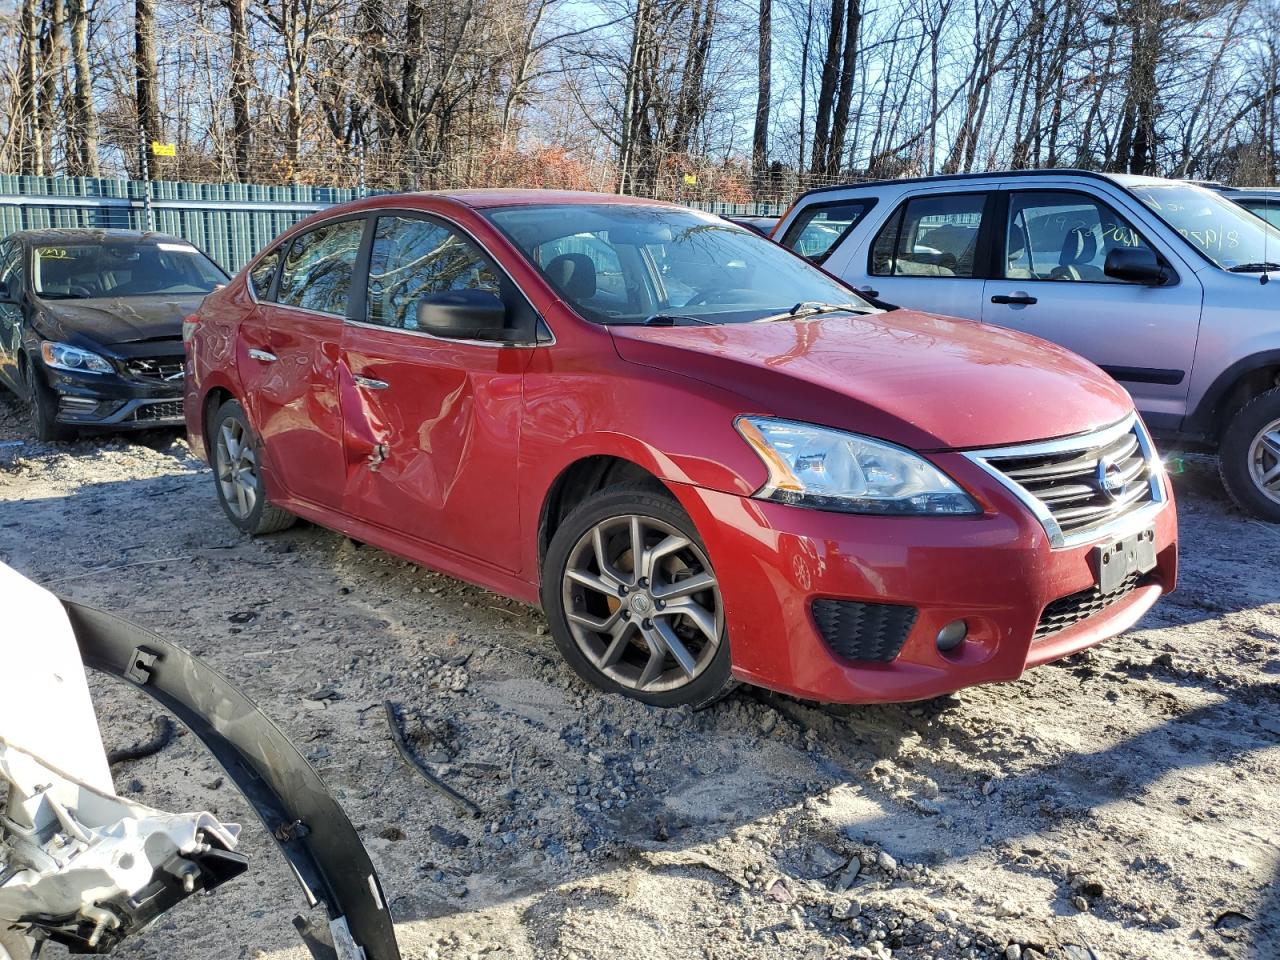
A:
933	236
318	269
819	228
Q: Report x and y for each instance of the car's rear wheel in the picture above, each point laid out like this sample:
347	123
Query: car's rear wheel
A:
1249	456
633	602
42	406
237	471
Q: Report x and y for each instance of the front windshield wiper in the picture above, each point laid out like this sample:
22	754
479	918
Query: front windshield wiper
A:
811	308
1254	267
672	320
62	296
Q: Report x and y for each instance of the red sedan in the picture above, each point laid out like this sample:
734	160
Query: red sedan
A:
705	458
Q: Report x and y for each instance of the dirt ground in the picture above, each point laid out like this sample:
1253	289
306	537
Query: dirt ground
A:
1124	803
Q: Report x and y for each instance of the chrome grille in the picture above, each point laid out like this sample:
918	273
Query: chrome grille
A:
155	369
1079	486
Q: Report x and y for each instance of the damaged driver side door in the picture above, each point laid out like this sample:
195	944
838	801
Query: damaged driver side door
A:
432	426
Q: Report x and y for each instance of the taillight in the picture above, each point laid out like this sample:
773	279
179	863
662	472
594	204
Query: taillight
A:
189	327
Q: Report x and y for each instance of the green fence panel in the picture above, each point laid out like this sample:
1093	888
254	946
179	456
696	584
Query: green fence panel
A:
231	222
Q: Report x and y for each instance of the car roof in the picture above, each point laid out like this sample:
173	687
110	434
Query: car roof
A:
503	197
1124	179
92	235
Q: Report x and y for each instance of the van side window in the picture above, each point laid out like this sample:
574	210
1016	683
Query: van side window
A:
935	236
819	228
264	272
318	268
1063	235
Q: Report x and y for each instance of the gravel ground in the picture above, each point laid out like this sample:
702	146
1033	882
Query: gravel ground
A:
1122	803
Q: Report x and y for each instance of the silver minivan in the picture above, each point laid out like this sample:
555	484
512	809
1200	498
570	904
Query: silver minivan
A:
1162	283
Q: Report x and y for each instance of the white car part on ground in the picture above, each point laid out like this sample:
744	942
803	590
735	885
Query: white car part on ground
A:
78	863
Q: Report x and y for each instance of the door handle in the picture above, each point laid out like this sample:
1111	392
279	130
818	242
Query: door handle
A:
868	291
263	355
370	384
1017	298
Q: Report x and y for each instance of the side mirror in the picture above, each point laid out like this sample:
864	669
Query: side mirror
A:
465	315
1135	265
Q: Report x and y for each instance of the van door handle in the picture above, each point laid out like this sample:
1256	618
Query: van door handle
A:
263	355
868	291
370	384
1016	298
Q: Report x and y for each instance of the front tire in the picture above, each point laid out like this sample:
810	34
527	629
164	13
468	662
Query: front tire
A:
1249	456
633	603
237	473
42	404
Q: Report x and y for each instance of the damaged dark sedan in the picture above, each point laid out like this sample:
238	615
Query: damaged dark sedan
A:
91	325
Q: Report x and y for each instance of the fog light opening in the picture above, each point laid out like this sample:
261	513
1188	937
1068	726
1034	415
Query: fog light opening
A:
952	635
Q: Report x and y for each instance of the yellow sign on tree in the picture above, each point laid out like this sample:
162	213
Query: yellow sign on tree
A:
690	179
159	149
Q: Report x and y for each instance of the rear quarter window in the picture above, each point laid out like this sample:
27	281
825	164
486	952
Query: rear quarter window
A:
818	228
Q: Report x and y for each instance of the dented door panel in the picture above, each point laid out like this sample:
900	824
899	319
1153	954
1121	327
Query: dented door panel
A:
431	438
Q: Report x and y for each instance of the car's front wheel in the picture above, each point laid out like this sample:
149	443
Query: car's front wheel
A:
42	405
1249	456
633	602
237	469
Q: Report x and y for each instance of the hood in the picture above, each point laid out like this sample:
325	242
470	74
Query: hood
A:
925	382
117	320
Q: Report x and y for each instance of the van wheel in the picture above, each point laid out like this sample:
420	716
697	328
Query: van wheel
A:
237	474
632	601
1249	456
42	404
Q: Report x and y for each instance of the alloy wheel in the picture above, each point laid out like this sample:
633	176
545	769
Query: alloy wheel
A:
1264	460
642	603
237	468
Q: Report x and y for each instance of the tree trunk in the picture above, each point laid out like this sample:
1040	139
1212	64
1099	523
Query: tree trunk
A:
827	88
241	85
764	65
53	67
85	116
844	97
145	80
31	148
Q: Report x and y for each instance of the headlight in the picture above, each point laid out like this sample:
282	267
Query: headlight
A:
63	356
817	467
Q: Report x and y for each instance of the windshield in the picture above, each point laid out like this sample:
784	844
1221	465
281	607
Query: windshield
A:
1227	234
618	263
121	269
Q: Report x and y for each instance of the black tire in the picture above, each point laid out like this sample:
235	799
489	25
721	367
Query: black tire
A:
229	473
1237	455
42	406
711	679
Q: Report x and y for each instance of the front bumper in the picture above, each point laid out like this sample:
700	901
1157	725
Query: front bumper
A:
997	572
111	401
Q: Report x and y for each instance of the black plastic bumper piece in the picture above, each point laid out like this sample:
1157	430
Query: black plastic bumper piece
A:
308	825
869	632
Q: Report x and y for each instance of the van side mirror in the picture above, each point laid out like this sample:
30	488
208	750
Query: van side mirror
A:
465	315
1135	265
